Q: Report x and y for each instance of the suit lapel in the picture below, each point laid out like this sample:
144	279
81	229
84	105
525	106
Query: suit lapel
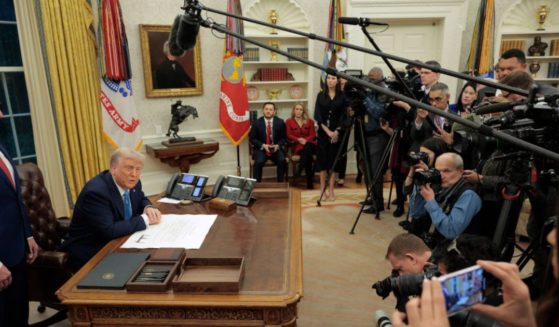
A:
115	196
3	177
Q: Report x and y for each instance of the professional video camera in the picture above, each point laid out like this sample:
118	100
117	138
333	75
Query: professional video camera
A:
416	157
532	122
431	176
405	285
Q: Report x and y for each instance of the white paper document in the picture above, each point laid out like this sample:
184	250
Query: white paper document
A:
169	200
174	231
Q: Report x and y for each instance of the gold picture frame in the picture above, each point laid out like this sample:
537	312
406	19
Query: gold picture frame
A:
157	66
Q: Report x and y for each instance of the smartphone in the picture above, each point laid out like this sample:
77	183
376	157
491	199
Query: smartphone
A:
463	288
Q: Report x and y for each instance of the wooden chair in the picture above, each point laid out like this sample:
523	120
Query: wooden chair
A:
293	161
50	270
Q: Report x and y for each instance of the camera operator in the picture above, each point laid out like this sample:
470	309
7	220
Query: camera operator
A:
376	138
454	207
408	255
423	160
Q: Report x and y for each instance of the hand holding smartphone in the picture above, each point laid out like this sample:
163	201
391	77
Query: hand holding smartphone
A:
463	288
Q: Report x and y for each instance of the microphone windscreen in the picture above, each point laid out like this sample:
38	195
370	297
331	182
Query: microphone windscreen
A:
188	31
174	48
492	108
349	20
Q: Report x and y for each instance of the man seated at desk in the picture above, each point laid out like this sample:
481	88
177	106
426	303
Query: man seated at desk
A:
109	206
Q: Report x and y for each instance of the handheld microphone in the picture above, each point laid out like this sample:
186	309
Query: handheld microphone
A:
497	107
359	21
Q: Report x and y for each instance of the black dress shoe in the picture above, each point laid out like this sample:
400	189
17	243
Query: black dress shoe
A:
372	210
359	178
367	202
405	224
398	212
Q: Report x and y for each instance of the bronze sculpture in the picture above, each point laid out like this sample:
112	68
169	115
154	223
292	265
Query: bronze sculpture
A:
179	113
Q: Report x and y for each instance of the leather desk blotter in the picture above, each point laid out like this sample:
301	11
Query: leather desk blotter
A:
113	271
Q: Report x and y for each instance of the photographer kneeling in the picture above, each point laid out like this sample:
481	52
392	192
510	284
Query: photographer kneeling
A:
453	208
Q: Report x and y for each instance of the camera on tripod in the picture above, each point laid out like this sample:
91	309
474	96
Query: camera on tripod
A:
406	285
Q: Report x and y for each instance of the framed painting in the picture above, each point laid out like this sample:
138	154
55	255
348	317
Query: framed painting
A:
164	74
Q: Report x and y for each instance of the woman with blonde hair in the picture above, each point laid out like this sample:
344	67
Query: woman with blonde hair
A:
301	135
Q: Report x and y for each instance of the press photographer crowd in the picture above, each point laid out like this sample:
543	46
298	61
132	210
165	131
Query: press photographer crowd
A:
454	265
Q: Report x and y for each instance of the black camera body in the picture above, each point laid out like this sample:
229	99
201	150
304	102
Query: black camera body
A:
416	157
406	285
431	176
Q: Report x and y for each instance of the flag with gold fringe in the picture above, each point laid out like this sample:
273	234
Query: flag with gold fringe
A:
480	60
233	106
120	119
334	55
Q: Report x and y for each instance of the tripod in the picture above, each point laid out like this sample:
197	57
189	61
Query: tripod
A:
357	125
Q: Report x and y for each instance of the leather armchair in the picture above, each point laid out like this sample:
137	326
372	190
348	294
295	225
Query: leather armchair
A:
50	270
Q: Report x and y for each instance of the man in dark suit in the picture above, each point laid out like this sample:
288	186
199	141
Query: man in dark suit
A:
268	137
111	205
17	246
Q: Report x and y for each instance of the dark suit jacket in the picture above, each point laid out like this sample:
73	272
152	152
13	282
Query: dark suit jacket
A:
99	218
14	222
257	135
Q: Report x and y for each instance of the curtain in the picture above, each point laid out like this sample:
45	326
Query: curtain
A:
44	128
74	79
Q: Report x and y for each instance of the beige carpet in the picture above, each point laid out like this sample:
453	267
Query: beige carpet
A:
339	268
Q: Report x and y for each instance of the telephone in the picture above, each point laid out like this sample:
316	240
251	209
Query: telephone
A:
235	188
185	186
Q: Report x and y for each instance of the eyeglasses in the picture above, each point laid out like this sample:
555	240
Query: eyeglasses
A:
437	99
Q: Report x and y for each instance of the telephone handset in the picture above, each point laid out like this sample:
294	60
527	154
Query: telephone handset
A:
184	186
238	189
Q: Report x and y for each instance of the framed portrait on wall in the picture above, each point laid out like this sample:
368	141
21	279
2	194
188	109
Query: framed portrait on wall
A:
164	74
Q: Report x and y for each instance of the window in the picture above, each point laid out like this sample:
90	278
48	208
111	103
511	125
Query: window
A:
16	132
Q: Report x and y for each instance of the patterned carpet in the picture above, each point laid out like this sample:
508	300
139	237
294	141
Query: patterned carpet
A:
340	268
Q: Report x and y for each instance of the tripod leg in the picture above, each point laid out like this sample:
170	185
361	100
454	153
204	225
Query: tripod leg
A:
390	193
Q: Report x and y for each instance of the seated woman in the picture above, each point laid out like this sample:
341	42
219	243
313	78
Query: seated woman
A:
466	100
301	134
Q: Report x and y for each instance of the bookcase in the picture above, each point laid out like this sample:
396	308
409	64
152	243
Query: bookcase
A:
274	77
522	22
544	69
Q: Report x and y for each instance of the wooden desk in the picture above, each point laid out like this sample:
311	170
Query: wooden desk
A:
183	156
267	234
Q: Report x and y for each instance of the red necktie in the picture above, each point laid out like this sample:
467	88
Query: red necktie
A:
7	172
269	136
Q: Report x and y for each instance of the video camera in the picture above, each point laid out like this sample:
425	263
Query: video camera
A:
416	157
405	285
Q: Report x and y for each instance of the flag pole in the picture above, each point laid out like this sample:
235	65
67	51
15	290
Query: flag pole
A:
238	161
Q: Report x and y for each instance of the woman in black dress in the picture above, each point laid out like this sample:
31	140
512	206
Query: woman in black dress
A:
330	105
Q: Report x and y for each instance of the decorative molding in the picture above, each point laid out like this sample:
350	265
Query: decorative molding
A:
522	17
290	14
174	313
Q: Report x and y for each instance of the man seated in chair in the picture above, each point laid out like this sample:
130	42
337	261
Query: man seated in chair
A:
268	138
111	205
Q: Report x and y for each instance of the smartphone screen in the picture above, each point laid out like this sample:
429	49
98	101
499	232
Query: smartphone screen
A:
463	288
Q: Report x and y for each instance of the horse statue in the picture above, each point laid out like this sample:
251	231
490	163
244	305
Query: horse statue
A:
180	113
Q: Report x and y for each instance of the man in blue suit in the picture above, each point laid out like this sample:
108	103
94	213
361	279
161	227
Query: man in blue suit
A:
17	246
268	137
111	205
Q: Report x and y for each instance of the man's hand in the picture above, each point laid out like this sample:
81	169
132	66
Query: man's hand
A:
421	115
266	147
447	137
471	176
5	277
427	192
33	250
154	215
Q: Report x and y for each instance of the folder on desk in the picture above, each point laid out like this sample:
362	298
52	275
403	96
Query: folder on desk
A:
113	271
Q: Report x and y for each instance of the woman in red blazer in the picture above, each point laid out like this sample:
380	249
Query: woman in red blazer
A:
301	134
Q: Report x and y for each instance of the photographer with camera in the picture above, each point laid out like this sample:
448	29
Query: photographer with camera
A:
408	256
455	205
423	160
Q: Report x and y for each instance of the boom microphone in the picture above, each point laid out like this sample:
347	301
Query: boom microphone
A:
497	107
185	31
359	21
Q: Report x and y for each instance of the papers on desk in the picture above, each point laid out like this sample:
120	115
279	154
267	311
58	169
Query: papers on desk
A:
174	231
169	200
